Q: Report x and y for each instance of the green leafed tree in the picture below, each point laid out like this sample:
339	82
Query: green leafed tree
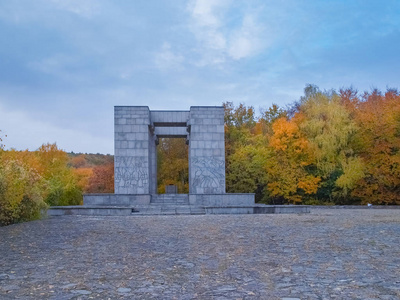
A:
247	173
330	131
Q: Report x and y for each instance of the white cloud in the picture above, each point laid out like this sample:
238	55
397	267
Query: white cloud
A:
205	11
219	41
207	22
167	59
83	8
246	40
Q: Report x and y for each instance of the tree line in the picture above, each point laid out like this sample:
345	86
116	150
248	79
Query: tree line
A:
326	148
31	181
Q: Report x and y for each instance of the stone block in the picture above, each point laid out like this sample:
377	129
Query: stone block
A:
120	121
217	152
120	152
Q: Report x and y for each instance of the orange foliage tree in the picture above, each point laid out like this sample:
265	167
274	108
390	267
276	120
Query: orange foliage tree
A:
102	180
82	176
288	178
378	142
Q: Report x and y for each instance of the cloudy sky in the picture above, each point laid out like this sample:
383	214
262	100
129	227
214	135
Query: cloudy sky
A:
64	64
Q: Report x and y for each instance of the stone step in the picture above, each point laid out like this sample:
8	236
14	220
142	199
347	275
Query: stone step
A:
170	198
169	209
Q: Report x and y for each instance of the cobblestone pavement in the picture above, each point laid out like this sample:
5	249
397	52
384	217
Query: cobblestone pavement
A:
327	254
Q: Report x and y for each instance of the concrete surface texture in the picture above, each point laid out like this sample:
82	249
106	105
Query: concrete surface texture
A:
136	131
327	254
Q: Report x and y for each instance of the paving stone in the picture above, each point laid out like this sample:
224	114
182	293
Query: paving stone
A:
124	290
82	292
204	257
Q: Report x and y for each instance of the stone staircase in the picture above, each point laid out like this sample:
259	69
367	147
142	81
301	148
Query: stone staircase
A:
169	209
174	199
169	204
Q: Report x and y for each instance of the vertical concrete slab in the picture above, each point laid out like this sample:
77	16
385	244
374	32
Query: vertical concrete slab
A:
206	150
131	157
153	163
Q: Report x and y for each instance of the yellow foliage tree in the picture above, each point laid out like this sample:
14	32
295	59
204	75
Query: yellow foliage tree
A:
330	131
286	167
173	164
21	187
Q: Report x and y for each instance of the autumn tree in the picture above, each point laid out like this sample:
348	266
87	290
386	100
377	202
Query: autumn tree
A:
247	172
239	123
78	161
267	118
1	142
291	156
21	187
330	131
378	117
173	164
62	184
101	180
82	177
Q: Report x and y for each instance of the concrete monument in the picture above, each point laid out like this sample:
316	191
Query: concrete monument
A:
137	130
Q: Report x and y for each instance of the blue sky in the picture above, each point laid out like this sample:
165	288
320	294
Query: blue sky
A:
64	64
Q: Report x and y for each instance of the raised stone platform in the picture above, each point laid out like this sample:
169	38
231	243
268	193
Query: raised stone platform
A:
156	209
196	200
222	200
115	199
172	204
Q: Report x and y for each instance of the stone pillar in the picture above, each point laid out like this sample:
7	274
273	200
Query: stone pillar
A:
132	155
206	150
152	161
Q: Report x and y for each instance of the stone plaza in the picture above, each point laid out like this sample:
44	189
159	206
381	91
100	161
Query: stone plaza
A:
327	254
137	131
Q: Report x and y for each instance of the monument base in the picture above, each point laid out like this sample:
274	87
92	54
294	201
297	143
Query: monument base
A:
116	199
172	204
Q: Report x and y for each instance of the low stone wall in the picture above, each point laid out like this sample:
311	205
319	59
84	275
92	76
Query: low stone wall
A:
230	210
115	199
89	211
284	209
222	199
259	209
356	206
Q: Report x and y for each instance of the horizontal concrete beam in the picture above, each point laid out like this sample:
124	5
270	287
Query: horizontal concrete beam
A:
163	118
170	131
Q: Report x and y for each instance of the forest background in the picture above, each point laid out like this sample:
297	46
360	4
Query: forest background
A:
326	148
